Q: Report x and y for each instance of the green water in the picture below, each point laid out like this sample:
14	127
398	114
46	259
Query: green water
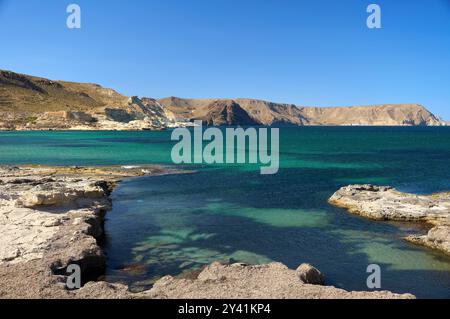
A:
175	223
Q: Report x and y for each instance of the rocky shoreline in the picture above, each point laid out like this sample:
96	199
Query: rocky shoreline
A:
52	217
386	203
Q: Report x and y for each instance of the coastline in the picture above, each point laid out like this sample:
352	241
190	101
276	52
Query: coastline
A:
52	217
385	203
123	128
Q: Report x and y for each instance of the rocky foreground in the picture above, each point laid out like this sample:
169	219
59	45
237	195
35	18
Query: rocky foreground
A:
386	203
52	217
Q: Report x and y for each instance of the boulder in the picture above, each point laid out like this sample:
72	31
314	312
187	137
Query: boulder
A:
310	275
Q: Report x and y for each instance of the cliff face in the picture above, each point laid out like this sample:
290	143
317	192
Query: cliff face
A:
268	113
396	115
224	112
33	103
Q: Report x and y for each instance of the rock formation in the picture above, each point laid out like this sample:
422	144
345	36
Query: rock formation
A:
271	281
51	217
386	203
310	275
223	112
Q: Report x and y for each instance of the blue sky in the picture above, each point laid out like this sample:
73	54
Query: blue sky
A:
304	52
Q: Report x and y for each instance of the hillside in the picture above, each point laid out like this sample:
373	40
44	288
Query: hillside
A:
28	102
34	103
223	112
268	113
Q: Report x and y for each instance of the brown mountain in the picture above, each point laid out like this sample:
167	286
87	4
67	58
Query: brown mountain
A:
268	113
29	102
24	93
224	112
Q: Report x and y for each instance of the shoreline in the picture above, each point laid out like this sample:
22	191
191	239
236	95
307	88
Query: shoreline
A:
184	125
52	217
385	203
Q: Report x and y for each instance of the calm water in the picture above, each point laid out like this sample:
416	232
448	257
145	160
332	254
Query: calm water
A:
173	224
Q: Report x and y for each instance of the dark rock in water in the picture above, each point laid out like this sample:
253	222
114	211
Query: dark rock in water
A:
135	269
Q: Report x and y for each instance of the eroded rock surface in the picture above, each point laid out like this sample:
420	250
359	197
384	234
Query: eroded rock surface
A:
273	281
51	217
386	203
33	210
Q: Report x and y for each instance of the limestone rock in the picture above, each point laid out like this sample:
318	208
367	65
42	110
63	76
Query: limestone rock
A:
386	203
59	194
437	238
310	275
271	281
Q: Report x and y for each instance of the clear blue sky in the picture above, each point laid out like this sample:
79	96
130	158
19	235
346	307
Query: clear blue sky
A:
313	52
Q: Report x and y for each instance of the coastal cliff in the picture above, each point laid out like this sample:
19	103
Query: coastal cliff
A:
35	103
268	113
52	217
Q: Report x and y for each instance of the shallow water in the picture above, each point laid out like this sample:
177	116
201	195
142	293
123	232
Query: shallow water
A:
175	223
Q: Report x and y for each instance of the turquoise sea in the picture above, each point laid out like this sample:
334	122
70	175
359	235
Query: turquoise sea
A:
173	224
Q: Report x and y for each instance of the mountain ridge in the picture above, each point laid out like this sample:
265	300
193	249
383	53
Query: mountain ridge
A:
270	113
36	103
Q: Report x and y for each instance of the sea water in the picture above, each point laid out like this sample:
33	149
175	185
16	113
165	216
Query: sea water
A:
174	224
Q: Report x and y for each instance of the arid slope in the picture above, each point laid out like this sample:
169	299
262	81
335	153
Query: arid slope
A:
268	113
34	103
